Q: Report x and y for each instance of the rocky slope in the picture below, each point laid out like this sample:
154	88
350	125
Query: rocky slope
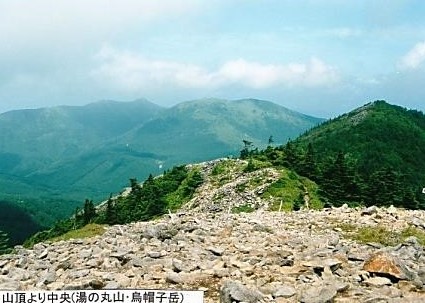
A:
305	256
256	257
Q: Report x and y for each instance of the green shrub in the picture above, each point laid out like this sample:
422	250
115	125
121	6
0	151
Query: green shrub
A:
381	234
246	208
89	230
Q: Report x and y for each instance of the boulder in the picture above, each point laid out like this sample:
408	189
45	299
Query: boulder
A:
382	263
234	292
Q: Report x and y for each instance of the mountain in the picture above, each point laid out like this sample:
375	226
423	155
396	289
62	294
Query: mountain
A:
217	128
191	131
383	144
51	159
34	138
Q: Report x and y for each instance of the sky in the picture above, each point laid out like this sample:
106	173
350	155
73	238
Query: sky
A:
318	57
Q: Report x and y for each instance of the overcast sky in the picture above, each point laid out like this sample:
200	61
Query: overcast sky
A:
319	57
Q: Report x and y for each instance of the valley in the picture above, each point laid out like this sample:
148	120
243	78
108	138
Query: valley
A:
55	158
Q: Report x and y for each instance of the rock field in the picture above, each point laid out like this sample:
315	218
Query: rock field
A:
249	257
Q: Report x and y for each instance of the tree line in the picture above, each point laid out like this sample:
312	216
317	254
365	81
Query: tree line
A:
144	202
340	178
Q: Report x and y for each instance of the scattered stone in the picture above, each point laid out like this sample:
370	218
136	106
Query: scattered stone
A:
333	263
154	254
385	264
49	277
96	284
314	294
378	281
216	250
3	263
284	291
10	285
159	231
43	254
120	254
234	291
370	211
174	278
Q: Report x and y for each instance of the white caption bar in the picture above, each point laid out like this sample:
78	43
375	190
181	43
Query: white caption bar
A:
102	296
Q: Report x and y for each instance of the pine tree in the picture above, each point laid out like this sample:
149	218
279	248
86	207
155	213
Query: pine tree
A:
339	182
246	151
134	200
384	188
409	200
89	211
308	166
111	212
292	156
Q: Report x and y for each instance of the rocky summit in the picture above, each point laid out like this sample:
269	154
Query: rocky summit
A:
263	256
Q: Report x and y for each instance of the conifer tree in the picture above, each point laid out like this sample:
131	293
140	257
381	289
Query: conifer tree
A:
111	212
308	166
292	156
384	188
409	200
89	211
246	151
134	200
339	183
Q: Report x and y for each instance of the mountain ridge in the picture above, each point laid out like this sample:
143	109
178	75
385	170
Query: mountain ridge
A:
75	152
369	156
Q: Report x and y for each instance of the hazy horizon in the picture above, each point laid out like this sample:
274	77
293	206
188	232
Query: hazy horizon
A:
171	105
320	58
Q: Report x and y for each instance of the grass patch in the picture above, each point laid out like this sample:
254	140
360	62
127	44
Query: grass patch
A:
222	167
254	165
218	196
290	190
380	234
414	231
256	181
241	187
224	170
90	230
246	208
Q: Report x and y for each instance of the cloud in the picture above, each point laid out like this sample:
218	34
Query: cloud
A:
256	75
414	58
46	26
130	71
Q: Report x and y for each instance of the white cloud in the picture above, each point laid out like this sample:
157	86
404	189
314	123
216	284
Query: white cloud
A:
132	72
414	58
49	25
256	75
